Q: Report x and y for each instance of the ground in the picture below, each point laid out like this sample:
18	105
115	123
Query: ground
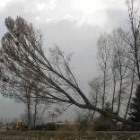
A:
61	135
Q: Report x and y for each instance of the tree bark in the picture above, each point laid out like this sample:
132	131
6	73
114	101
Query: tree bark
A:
131	92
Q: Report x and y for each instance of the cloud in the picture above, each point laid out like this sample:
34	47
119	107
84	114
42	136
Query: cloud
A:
83	11
117	20
88	6
4	3
43	6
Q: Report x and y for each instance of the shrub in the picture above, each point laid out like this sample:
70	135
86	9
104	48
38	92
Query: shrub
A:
50	127
102	127
103	123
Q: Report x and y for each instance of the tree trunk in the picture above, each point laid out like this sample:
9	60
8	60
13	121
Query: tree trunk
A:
35	112
119	100
96	101
29	116
131	92
104	88
114	90
28	108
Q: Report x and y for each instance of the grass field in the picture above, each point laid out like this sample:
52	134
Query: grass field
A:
61	135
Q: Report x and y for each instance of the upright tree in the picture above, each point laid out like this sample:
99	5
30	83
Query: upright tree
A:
95	91
121	62
135	106
104	53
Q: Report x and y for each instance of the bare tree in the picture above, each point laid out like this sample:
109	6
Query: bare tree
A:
120	62
95	86
22	47
28	104
104	53
114	79
36	103
132	37
39	107
131	91
21	92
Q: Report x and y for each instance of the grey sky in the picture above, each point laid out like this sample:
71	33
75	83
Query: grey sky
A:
74	25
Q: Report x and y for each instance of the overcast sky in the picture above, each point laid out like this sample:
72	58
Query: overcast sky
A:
74	25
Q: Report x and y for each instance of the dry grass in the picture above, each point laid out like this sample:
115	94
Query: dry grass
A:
61	135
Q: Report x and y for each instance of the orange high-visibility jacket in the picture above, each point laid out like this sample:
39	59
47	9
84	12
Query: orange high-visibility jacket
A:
19	125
